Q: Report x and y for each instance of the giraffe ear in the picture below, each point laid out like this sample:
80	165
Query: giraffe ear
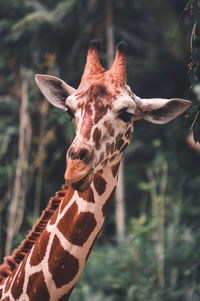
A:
54	89
160	110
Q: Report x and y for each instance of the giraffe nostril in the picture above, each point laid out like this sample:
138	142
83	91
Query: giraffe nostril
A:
83	155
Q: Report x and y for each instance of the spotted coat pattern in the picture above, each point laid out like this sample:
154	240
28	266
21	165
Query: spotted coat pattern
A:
53	265
49	262
51	268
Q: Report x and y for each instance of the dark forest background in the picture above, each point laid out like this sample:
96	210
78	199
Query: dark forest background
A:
157	255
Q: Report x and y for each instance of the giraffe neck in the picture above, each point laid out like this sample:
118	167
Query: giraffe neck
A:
52	267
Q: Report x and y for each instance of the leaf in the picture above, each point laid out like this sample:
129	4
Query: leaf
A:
33	18
144	186
196	132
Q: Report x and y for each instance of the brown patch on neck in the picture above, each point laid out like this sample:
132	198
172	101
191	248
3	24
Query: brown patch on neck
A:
11	262
87	195
99	184
40	247
17	287
59	257
8	283
37	289
106	206
68	196
77	226
115	169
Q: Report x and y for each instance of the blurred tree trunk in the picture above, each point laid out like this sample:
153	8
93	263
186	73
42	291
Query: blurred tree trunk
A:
109	32
3	203
17	205
49	64
40	158
158	207
119	205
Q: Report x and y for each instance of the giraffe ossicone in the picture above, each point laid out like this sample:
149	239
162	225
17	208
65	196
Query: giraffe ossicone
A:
103	109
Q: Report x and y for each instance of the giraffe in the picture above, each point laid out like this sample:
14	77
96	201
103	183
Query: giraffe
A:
48	263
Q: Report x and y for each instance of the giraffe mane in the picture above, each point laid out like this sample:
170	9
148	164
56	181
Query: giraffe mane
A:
11	262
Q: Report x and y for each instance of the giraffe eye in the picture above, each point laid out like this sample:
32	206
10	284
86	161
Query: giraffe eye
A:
70	112
125	116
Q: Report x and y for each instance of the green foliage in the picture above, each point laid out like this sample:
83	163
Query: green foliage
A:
41	14
194	7
130	270
194	65
196	128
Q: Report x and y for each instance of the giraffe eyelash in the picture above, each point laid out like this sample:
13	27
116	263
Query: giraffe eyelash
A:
70	112
125	116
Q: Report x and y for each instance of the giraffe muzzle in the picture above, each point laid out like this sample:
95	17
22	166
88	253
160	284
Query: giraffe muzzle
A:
79	171
78	174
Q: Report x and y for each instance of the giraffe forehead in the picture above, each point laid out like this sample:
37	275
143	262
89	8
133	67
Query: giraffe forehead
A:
99	96
94	95
92	104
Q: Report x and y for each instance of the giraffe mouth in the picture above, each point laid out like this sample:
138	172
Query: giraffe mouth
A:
84	183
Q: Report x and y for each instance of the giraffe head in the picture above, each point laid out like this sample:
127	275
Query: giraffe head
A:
103	109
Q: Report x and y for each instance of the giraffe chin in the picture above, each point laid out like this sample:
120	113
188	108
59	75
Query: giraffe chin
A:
84	183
